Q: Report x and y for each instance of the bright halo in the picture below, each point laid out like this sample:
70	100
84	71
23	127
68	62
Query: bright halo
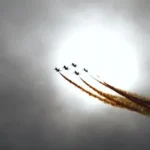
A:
103	52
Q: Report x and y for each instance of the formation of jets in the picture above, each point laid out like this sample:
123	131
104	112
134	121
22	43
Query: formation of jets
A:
67	68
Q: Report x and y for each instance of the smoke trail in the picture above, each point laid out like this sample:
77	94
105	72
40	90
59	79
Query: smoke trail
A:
91	94
134	95
136	100
144	112
108	96
142	99
119	91
122	101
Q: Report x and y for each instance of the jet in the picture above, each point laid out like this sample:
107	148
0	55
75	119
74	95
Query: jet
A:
74	65
85	70
77	73
57	69
65	67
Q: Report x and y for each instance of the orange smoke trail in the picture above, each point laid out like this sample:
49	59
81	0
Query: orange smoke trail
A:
91	94
141	111
134	95
122	101
108	96
133	99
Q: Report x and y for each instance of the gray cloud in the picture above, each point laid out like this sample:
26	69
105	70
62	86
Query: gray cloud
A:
33	114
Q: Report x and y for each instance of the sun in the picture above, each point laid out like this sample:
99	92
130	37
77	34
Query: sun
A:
104	52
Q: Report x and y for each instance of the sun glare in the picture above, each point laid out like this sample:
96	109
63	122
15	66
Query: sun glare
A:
104	52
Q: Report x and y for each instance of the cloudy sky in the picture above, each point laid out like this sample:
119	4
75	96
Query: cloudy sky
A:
35	110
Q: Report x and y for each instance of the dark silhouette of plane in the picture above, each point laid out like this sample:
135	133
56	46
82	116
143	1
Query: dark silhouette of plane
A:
57	69
77	73
85	70
74	65
65	67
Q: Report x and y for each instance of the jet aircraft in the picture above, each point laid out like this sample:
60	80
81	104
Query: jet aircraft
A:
65	67
77	73
74	65
57	69
85	70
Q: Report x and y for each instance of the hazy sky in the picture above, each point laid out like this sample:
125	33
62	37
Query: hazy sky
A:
33	114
